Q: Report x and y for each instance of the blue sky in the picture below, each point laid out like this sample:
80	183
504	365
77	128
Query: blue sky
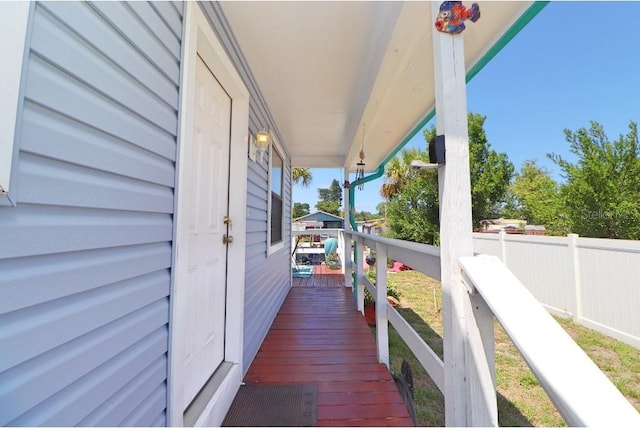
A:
575	62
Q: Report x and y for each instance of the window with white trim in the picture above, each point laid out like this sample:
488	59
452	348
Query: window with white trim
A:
276	199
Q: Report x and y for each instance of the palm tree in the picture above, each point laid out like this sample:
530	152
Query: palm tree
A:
399	172
301	176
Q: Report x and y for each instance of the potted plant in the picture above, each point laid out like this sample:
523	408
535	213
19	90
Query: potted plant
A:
369	308
371	258
393	297
333	261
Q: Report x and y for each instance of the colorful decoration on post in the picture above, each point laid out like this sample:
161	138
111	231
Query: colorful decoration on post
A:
453	14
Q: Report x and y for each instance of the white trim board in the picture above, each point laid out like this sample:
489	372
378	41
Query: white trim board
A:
199	40
14	21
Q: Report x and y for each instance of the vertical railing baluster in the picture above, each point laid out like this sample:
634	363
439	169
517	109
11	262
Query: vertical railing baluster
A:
347	263
382	326
360	274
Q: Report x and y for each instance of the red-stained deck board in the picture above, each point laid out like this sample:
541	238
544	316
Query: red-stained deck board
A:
319	337
369	422
322	277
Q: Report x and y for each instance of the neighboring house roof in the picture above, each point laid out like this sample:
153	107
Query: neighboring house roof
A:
319	216
504	221
535	227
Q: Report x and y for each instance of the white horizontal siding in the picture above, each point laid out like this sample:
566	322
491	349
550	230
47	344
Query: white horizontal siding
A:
86	252
36	230
114	411
121	17
75	272
68	96
58	137
46	375
67	50
90	392
97	34
154	23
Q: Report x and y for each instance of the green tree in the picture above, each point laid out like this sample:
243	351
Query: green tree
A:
601	195
329	200
300	209
411	199
301	176
535	197
412	195
364	216
412	214
381	209
399	173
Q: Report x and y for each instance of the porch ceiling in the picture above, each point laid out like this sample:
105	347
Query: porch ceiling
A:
326	69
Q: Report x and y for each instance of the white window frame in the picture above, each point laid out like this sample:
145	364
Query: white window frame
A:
272	248
14	21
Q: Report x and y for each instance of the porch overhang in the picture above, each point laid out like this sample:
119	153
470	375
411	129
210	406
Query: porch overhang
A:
331	71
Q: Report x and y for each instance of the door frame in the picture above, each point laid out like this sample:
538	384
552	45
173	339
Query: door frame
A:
199	38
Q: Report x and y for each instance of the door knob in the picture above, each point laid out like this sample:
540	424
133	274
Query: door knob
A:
227	239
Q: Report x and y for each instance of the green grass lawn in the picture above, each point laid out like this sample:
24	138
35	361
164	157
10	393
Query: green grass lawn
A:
521	399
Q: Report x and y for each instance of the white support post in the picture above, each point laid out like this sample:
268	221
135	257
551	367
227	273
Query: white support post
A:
382	318
503	246
348	260
360	274
577	288
347	268
455	228
341	250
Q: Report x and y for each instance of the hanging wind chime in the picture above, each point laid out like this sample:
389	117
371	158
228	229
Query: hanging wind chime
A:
360	165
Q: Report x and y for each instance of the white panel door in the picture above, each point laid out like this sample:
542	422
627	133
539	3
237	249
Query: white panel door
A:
206	205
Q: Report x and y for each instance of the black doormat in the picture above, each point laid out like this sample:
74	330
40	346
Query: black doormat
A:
274	406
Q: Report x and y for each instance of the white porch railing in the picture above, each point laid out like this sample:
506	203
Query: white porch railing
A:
583	395
580	391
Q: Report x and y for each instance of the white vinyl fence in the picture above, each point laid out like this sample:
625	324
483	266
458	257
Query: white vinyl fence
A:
594	281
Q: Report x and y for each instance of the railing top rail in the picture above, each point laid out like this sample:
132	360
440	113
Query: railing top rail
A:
513	237
583	395
622	245
398	243
333	232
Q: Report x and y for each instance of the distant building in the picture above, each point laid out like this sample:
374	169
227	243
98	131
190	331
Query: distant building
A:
511	226
309	248
318	220
372	227
534	229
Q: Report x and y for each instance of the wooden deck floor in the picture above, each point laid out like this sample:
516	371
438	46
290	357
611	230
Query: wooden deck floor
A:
322	277
318	337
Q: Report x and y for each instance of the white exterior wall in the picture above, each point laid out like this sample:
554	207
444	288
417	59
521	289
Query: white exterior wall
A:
86	242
